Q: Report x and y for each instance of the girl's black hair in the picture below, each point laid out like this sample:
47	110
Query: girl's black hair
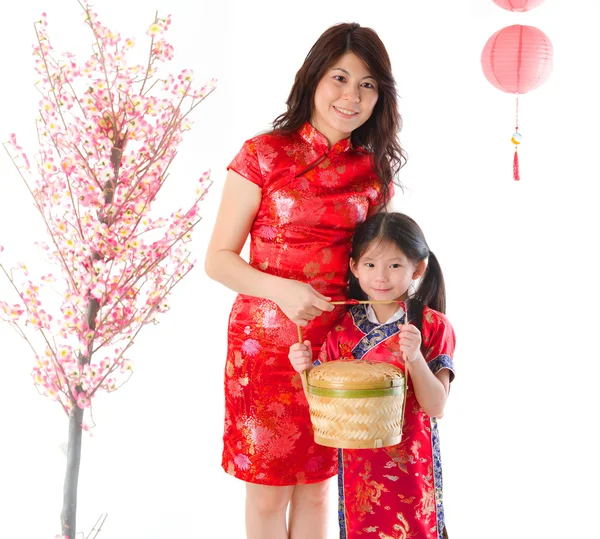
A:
400	230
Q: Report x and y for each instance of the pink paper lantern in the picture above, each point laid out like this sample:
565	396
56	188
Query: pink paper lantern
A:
518	5
517	59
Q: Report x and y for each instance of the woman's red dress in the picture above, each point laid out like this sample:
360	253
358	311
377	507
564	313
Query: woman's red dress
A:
313	197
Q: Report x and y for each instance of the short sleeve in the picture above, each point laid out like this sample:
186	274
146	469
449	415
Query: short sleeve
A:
438	341
377	196
330	350
246	163
382	199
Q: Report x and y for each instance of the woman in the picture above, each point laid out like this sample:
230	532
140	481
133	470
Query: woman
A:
299	192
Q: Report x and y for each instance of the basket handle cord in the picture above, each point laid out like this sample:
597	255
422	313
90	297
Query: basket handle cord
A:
300	340
405	379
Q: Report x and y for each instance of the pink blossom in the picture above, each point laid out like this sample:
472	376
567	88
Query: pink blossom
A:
162	50
12	311
111	256
13	142
155	29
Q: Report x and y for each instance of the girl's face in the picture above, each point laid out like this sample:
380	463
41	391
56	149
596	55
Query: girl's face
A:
385	273
344	98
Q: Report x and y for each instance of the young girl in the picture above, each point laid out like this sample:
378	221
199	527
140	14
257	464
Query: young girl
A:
394	492
299	191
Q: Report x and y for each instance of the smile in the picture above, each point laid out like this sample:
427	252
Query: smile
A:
345	112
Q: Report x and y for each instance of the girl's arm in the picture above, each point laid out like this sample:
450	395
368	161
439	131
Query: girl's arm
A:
431	390
240	203
300	357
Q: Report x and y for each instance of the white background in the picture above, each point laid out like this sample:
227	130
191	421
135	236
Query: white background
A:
519	260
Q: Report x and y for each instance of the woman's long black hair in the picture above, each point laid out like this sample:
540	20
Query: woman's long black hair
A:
379	134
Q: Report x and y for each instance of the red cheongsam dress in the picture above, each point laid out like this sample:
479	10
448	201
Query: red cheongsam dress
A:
313	197
393	492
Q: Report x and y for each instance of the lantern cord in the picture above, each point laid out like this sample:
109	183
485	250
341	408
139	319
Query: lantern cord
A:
516	175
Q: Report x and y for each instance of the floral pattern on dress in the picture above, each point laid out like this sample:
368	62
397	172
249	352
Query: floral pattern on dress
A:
313	197
392	492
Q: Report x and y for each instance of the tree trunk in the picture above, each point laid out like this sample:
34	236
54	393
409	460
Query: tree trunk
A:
68	516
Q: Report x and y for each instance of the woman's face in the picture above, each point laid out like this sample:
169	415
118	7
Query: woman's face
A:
344	99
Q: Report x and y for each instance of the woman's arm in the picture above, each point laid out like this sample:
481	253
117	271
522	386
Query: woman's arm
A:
375	209
240	203
387	206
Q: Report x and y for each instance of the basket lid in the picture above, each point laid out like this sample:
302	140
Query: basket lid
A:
357	374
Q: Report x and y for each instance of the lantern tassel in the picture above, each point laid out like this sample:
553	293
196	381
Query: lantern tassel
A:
516	140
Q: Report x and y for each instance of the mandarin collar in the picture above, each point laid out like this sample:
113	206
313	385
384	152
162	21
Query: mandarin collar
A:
394	318
319	141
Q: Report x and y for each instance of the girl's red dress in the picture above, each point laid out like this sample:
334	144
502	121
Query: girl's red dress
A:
312	199
394	492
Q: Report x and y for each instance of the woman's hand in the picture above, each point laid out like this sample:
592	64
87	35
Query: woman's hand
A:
410	342
301	356
299	301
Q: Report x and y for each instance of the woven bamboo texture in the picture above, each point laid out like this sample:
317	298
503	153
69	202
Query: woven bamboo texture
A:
352	421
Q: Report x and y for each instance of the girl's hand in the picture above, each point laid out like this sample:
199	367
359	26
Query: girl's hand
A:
301	356
300	302
410	342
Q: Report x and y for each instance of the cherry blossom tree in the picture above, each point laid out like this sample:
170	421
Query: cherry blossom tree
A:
108	133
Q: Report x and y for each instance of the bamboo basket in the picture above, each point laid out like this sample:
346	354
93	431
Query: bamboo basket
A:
356	404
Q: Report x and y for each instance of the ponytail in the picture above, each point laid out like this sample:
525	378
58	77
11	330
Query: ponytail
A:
432	290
